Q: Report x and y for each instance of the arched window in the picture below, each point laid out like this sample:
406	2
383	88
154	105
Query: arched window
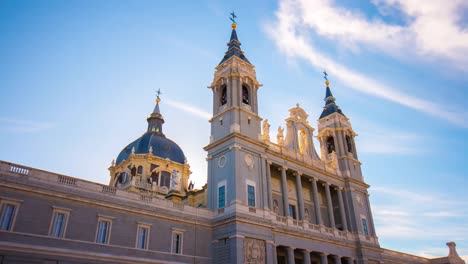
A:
133	170
223	95
330	145
155	177
121	179
348	144
165	179
245	94
140	170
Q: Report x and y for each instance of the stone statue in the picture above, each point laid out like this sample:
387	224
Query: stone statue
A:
303	144
280	136
266	130
174	180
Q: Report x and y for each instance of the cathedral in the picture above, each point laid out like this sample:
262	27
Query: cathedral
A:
266	200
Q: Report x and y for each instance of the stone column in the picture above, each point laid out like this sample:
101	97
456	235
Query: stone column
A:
342	209
337	259
290	251
316	202
300	199
269	189
306	257
329	205
284	189
271	253
323	258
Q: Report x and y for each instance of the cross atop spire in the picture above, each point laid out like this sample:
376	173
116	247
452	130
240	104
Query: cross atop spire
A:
233	17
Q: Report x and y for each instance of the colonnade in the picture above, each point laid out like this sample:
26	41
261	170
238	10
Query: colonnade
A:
315	196
325	258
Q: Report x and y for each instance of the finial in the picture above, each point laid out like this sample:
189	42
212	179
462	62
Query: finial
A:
158	92
232	18
327	83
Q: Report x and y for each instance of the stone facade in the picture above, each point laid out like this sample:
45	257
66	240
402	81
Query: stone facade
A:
264	202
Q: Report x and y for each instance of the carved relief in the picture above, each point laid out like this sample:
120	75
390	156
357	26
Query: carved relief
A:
254	251
249	161
359	200
221	161
276	184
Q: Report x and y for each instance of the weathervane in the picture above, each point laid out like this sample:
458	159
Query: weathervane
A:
325	74
233	17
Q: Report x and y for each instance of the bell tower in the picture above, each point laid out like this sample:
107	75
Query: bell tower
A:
235	86
235	162
336	137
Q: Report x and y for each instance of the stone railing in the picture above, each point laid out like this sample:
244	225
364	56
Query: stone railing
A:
57	181
311	228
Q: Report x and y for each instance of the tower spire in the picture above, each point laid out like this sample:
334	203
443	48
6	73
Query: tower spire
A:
330	105
234	44
156	120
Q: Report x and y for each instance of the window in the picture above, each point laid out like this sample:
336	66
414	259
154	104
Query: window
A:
142	236
223	95
221	196
140	170
251	195
348	144
177	239
166	179
8	214
292	211
103	229
330	145
364	226
245	95
58	225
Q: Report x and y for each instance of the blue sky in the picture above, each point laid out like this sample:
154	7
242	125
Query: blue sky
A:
78	79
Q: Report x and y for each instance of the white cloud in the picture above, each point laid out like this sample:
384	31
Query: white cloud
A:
23	126
431	27
190	109
291	34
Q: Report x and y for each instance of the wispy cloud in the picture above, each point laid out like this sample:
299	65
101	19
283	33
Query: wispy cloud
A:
379	139
405	214
23	126
292	35
190	109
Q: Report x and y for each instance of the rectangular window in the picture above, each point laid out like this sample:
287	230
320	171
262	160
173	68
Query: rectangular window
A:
7	216
142	237
177	242
58	225
251	195
104	227
222	196
292	211
364	227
